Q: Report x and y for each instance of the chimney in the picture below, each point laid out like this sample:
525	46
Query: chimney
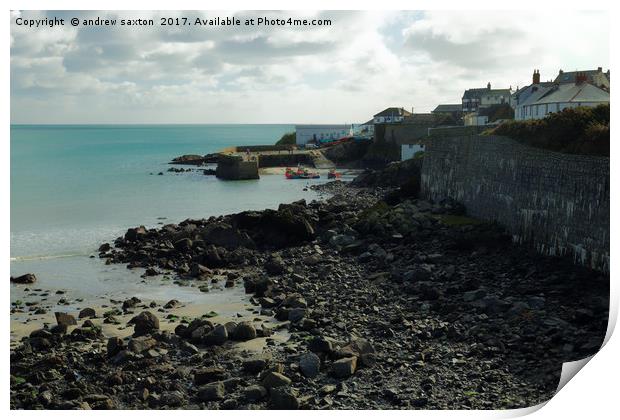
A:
581	78
489	85
600	69
536	77
561	71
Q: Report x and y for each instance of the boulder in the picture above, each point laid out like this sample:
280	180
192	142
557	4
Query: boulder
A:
115	345
64	319
144	323
87	313
134	234
274	380
254	393
283	398
275	266
28	278
245	331
209	374
216	337
309	365
214	391
141	344
345	367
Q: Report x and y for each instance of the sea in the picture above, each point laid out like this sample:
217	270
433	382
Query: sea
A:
74	187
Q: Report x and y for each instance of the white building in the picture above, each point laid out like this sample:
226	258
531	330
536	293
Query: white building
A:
408	151
317	133
547	100
391	115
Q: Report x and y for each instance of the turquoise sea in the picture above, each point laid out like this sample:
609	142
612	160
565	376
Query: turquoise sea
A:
74	187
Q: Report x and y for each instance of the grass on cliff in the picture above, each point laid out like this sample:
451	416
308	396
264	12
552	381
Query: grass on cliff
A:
582	131
286	139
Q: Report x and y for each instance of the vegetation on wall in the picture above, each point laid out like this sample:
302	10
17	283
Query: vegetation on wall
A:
286	139
581	130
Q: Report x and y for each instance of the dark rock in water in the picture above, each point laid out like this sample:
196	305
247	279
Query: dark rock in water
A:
64	319
214	391
87	313
254	393
24	279
134	234
144	323
245	331
345	367
209	172
309	365
283	398
105	247
226	236
115	345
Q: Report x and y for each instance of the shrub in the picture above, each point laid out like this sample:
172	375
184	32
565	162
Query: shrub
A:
579	130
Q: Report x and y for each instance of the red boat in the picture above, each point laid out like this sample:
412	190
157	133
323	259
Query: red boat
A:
300	173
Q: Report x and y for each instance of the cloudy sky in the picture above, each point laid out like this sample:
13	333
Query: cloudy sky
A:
361	64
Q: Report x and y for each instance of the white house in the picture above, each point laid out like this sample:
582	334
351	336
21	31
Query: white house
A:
559	97
320	132
391	115
568	90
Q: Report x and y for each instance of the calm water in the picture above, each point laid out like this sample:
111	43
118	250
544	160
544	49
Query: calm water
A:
74	187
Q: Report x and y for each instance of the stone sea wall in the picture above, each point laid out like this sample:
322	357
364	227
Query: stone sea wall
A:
556	203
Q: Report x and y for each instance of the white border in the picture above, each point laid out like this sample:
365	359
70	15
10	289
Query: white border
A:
592	394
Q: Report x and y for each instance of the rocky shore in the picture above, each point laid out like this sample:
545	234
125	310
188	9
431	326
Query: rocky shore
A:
369	299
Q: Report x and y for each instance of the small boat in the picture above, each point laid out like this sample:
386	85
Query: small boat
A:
332	174
300	173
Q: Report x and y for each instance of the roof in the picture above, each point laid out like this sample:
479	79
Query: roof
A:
448	108
596	77
369	122
477	93
573	93
393	112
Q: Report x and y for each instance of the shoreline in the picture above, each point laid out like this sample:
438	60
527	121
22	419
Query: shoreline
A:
411	292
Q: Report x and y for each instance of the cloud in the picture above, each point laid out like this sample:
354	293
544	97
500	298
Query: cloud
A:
363	62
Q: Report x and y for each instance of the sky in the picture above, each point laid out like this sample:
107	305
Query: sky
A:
346	72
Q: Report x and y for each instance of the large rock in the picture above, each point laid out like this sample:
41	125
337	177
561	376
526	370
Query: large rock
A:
309	365
245	331
283	398
87	313
214	391
274	380
362	349
115	345
141	344
64	319
144	323
226	236
216	337
134	234
28	278
345	367
275	266
209	374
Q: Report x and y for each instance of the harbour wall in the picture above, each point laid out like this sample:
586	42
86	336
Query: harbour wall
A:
556	203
